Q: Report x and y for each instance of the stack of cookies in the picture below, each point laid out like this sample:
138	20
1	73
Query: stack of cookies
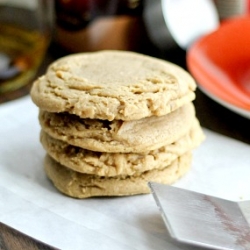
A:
113	120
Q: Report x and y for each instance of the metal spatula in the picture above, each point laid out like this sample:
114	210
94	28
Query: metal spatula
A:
202	220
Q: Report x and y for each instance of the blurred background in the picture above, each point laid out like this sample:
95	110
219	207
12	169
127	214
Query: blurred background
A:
31	29
33	33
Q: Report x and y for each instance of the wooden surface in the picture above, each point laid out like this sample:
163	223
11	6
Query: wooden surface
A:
211	115
10	239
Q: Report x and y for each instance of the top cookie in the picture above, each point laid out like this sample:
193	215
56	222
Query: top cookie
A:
112	85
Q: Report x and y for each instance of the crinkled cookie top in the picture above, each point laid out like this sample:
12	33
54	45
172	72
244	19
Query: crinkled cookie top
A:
113	85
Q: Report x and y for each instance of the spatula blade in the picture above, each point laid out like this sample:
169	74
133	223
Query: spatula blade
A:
202	220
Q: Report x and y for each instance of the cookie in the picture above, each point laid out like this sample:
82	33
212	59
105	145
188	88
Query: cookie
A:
113	164
80	185
113	85
119	136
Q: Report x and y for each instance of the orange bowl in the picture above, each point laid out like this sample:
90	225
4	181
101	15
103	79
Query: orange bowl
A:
220	63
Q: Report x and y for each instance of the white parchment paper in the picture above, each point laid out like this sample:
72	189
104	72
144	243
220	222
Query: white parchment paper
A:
30	203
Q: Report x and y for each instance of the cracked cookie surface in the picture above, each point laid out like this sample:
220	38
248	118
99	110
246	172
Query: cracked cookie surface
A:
112	85
114	164
119	136
81	185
